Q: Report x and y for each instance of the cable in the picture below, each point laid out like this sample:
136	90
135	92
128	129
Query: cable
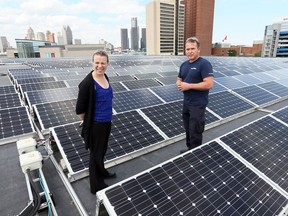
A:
47	197
36	196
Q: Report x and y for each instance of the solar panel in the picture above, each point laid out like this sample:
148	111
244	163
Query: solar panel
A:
7	90
50	95
137	84
118	87
282	115
230	82
167	80
264	145
73	82
275	88
129	100
206	181
256	95
147	75
15	123
41	86
56	113
120	78
35	80
217	88
130	132
248	79
226	104
10	100
168	93
263	76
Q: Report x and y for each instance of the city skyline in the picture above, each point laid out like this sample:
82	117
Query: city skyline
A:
241	21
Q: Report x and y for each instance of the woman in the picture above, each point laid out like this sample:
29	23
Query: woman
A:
94	107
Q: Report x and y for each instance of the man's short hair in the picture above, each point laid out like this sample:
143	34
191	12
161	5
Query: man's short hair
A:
193	40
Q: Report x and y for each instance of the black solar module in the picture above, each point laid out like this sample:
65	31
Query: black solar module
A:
137	84
15	122
130	132
230	82
226	104
264	145
147	75
168	93
35	80
206	181
256	95
50	95
282	115
275	88
167	80
118	87
168	117
72	147
129	100
120	78
7	90
43	85
10	100
56	113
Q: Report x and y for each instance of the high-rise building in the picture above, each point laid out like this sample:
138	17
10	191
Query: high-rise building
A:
50	36
124	39
134	34
40	36
143	39
165	27
199	16
3	44
77	41
30	34
276	39
67	35
60	39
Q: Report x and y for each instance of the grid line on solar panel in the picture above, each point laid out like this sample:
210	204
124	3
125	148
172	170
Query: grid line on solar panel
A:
206	181
41	86
130	100
15	122
282	115
168	93
7	90
225	104
256	95
263	143
230	82
34	80
56	113
275	88
50	95
10	100
137	84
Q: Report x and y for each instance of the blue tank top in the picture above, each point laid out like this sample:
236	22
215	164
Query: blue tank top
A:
103	103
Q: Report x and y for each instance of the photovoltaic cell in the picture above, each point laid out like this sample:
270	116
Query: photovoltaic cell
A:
56	113
282	115
129	100
10	100
35	80
41	86
168	93
248	79
256	94
263	144
118	87
130	132
7	90
206	181
230	82
120	78
167	80
217	88
226	104
137	84
275	88
15	122
50	95
147	75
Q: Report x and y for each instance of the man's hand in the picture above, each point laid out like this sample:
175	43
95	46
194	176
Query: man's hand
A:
182	86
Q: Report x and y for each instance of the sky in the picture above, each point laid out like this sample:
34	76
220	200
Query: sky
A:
242	21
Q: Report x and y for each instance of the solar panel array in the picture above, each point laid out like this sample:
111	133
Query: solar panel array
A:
241	173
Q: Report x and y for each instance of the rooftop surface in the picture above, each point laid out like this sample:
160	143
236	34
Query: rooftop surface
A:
247	119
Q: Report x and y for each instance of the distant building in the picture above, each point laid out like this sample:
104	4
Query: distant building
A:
60	39
67	35
199	15
134	34
50	36
77	41
30	34
3	44
40	36
143	39
124	39
165	27
30	48
276	39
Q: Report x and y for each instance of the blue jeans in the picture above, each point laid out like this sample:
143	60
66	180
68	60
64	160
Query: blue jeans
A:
194	124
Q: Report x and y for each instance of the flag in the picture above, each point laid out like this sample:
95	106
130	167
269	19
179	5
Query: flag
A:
225	38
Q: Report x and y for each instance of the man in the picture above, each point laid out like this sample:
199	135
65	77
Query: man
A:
195	78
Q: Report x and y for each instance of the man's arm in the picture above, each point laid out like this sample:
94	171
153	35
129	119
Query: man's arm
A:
206	84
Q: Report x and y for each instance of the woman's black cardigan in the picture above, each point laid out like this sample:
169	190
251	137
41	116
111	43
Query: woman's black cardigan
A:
85	104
